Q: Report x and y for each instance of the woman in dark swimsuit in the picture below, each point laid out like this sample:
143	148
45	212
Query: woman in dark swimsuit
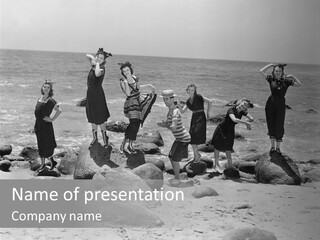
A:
276	105
198	125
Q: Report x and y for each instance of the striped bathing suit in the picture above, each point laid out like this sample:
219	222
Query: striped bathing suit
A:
180	133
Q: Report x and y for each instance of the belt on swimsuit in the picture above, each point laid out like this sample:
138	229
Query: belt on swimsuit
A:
198	111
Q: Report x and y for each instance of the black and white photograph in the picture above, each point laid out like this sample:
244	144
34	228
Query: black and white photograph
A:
160	119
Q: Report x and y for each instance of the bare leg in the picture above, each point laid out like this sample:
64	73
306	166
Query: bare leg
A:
176	170
216	161
94	134
228	153
273	142
196	153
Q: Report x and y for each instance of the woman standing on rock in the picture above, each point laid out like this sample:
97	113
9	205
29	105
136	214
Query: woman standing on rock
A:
136	107
275	108
223	136
198	125
43	127
96	105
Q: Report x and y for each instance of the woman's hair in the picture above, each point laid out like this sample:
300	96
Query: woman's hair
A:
246	101
123	65
194	86
104	53
281	66
51	89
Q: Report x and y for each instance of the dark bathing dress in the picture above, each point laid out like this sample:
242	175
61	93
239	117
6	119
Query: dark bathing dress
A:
223	136
198	125
96	105
44	130
276	106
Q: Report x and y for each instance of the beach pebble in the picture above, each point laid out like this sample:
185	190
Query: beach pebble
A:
117	126
5	150
148	148
249	233
5	165
151	174
204	191
195	168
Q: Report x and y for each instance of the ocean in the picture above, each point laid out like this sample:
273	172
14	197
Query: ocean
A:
23	72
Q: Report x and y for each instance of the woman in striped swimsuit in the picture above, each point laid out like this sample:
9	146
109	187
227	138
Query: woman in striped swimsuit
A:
136	107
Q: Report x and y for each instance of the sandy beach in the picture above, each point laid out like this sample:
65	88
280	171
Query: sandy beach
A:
289	212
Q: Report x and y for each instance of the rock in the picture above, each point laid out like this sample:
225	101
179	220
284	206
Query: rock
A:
288	107
207	160
117	126
157	162
135	160
20	164
47	173
204	191
168	167
151	174
29	153
277	169
253	158
5	150
90	160
231	173
313	175
14	158
238	136
105	156
243	166
183	176
5	165
253	233
68	163
150	136
311	111
194	169
314	161
34	164
217	118
148	148
207	147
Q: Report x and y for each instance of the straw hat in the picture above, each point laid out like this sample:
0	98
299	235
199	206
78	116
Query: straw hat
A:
168	93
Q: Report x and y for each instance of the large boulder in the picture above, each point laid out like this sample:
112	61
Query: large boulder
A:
5	165
128	205
253	233
151	174
150	136
148	148
5	150
277	169
91	159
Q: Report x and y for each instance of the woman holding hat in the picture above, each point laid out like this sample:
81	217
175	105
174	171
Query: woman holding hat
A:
275	108
223	136
198	125
43	127
96	105
137	106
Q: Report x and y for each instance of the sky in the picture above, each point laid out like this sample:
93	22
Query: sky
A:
246	30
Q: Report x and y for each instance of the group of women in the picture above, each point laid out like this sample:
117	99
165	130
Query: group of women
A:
137	106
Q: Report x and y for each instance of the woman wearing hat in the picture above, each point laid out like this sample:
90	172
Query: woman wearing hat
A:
276	104
136	107
43	127
198	125
223	136
96	105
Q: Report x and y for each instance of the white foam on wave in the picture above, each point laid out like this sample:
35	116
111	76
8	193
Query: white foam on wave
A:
23	85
